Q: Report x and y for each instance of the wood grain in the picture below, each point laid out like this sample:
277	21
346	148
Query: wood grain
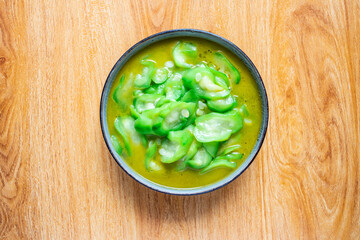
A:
58	180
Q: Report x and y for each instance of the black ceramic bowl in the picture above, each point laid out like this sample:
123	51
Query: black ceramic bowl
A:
176	33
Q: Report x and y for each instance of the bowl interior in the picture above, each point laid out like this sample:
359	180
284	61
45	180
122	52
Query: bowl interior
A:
172	34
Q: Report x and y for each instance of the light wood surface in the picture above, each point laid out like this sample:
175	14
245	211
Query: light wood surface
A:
58	180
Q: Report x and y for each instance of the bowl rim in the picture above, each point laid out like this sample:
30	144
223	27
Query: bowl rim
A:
195	33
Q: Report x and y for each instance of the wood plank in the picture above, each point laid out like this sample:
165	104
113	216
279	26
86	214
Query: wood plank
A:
58	180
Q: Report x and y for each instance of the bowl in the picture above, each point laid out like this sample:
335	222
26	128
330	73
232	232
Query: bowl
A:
176	33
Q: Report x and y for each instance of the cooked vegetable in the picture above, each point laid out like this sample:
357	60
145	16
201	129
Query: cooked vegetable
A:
219	163
144	80
163	101
117	146
217	127
184	54
231	156
201	159
127	124
223	162
212	148
146	102
122	93
175	116
174	88
118	90
222	104
226	67
150	153
169	117
133	112
195	145
220	78
203	82
190	96
230	149
160	89
121	130
160	75
243	111
176	146
145	122
137	93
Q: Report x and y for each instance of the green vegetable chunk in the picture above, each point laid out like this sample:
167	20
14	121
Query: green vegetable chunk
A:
117	92
158	89
136	138
174	88
176	146
122	93
230	149
160	75
150	153
219	163
195	145
217	127
125	127
201	159
121	130
176	116
137	93
243	111
145	122
135	114
220	78
231	156
164	101
222	104
190	96
116	144
150	90
146	102
184	54
170	116
202	80
226	67
223	162
212	148
144	80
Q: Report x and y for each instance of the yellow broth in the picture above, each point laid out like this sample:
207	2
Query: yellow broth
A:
246	91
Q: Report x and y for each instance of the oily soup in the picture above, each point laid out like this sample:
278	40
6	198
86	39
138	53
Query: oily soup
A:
201	141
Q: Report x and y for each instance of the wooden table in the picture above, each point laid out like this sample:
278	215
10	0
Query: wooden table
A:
58	180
